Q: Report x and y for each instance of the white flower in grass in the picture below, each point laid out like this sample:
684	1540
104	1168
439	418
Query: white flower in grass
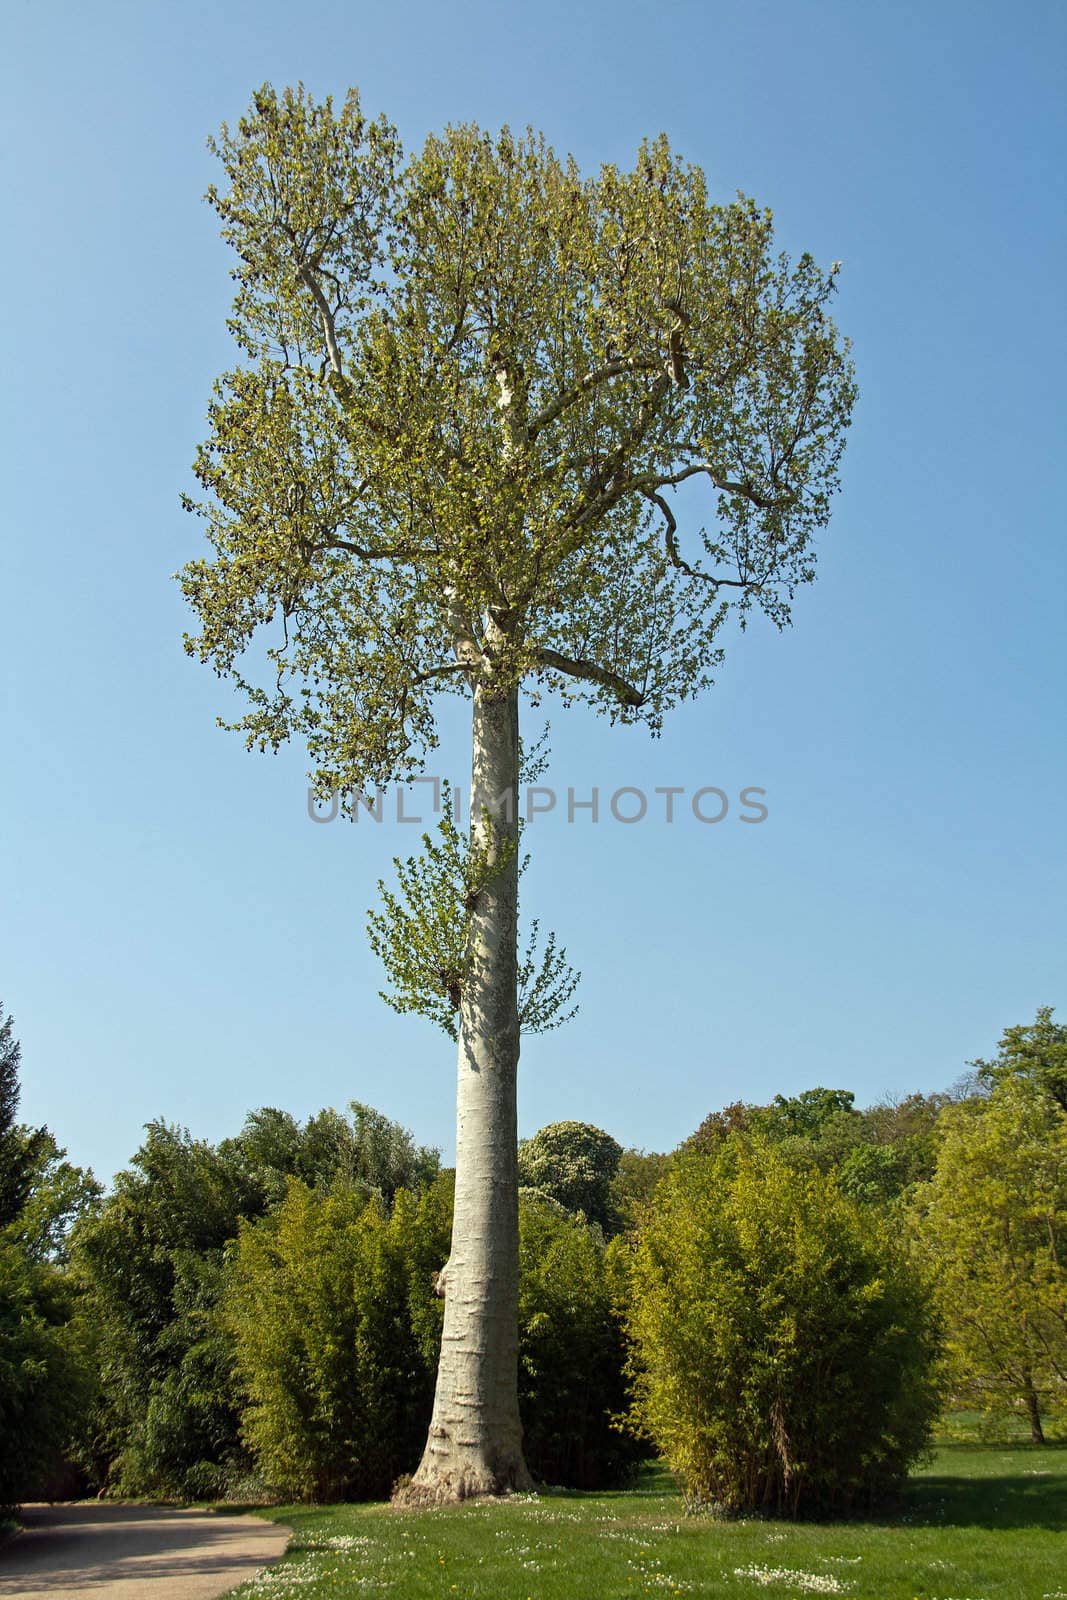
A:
810	1582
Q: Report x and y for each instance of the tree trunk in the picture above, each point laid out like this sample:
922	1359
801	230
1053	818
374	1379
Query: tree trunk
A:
475	1440
1037	1432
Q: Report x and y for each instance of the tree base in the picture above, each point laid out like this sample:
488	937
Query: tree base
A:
445	1485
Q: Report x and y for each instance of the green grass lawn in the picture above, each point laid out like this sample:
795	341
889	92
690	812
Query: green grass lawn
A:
980	1523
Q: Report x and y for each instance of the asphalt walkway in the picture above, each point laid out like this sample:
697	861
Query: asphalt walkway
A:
110	1552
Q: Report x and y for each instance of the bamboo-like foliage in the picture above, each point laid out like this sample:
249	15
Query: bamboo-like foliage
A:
788	1353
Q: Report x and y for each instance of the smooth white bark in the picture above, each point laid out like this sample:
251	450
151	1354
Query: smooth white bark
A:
475	1440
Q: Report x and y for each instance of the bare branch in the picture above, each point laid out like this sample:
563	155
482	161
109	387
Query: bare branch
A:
670	538
592	673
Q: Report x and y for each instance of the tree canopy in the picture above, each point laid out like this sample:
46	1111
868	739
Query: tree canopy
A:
1036	1051
20	1147
46	1363
574	1163
472	381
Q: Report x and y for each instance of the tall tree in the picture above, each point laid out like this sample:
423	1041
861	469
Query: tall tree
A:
994	1221
46	1378
59	1195
1036	1051
21	1149
473	382
10	1055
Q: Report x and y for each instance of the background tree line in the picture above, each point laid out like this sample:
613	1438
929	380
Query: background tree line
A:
782	1307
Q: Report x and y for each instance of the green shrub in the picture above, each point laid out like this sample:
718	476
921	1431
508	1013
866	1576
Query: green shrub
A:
789	1356
168	1417
337	1369
572	1354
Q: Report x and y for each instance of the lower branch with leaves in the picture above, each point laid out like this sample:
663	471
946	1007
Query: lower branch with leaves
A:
422	935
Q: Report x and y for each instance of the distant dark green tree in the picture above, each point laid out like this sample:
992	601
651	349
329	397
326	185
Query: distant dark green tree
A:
575	1164
365	1150
898	1149
59	1194
635	1181
878	1153
805	1115
153	1258
912	1117
10	1056
45	1368
19	1147
818	1129
717	1127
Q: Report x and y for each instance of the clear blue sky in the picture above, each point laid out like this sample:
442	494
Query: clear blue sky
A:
178	940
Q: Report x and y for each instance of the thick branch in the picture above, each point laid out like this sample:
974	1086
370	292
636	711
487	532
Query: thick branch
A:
746	488
443	670
468	651
644	482
308	278
611	369
605	487
399	552
675	354
592	673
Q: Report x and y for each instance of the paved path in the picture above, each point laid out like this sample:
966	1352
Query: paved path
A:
104	1552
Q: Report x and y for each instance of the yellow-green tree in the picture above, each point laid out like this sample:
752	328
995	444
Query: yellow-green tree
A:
472	381
994	1222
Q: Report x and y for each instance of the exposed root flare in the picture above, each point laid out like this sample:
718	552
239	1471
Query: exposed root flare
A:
469	1483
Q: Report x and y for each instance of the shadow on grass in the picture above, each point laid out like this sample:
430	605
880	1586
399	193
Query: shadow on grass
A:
1027	1498
1033	1501
651	1480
